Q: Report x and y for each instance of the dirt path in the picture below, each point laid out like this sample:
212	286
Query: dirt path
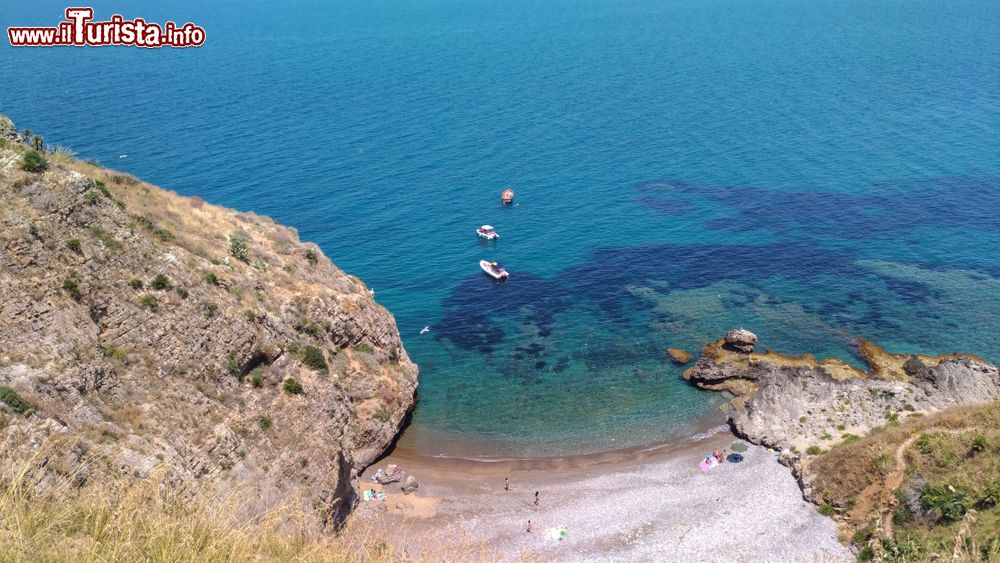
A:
884	492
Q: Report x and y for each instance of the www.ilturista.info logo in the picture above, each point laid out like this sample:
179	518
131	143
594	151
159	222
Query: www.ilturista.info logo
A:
78	30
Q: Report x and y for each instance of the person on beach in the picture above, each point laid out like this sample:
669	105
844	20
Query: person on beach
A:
529	526
536	498
506	484
720	455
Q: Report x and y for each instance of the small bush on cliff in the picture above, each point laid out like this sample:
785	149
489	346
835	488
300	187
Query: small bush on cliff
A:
148	301
135	283
307	326
211	308
265	423
72	288
364	348
91	197
103	188
313	357
211	279
312	257
239	247
814	450
256	380
74	245
160	282
292	387
990	496
34	161
10	398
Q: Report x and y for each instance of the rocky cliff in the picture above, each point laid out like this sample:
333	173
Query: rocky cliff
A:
150	334
801	404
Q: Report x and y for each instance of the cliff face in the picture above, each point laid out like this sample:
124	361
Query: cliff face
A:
154	334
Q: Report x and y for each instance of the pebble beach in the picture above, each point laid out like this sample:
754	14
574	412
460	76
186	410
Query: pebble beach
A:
658	508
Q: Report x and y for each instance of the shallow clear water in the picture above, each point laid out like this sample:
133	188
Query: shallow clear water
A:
817	172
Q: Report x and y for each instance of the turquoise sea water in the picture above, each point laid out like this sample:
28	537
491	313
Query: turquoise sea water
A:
814	171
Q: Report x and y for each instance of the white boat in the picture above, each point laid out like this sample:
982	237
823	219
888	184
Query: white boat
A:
493	269
488	232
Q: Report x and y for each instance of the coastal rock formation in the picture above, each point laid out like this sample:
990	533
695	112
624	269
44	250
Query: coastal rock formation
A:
741	340
679	357
800	404
157	335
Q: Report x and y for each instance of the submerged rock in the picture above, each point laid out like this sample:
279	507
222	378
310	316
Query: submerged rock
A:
679	356
741	340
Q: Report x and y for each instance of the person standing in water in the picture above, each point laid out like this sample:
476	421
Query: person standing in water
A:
536	498
506	484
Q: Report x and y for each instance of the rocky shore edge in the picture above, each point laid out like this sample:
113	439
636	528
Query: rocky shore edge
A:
801	406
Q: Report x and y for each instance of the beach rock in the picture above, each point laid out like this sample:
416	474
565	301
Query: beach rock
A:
187	377
679	357
741	340
410	484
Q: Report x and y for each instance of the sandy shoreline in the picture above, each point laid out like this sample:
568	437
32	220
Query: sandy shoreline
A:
644	504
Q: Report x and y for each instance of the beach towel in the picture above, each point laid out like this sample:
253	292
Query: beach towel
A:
739	447
734	458
367	495
708	463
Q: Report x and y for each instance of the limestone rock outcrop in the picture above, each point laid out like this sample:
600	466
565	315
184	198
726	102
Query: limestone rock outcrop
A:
157	334
793	403
741	340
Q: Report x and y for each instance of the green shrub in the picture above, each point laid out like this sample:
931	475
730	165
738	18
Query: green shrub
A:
90	197
250	315
948	503
826	509
825	436
313	357
211	308
34	161
103	188
814	450
210	279
74	245
72	288
312	256
308	327
239	247
113	353
256	380
149	302
303	463
265	423
164	234
135	283
364	348
802	419
292	387
160	282
232	366
841	427
893	419
183	293
33	230
850	438
990	496
866	553
979	444
10	398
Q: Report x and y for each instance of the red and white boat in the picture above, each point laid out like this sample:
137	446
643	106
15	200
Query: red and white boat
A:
494	269
487	232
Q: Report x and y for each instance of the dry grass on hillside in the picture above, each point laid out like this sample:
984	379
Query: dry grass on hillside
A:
954	450
143	520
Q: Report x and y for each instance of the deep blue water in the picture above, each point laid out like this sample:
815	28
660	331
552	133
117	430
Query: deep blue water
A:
815	171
